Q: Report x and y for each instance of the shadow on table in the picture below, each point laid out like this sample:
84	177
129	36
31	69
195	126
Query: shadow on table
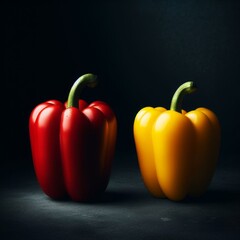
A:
212	196
114	197
124	196
216	196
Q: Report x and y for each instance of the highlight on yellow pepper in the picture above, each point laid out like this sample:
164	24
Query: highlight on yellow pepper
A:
177	150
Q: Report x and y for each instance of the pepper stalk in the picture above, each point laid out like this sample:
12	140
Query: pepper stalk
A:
89	80
177	99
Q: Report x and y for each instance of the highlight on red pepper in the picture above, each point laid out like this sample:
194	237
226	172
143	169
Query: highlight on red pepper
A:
177	151
73	144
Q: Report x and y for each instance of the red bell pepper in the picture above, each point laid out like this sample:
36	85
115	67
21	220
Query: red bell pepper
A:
73	144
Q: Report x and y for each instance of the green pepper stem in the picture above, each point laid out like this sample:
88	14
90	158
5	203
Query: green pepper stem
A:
177	99
89	80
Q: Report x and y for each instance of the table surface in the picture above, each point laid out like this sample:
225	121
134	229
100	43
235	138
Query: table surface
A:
125	211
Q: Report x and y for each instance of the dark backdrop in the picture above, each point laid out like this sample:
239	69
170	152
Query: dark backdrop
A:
140	50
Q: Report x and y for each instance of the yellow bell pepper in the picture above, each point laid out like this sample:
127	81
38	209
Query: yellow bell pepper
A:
177	151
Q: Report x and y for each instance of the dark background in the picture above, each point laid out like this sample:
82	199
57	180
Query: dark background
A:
141	51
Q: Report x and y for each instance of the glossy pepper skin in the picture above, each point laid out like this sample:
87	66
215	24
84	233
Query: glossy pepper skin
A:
73	144
177	151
